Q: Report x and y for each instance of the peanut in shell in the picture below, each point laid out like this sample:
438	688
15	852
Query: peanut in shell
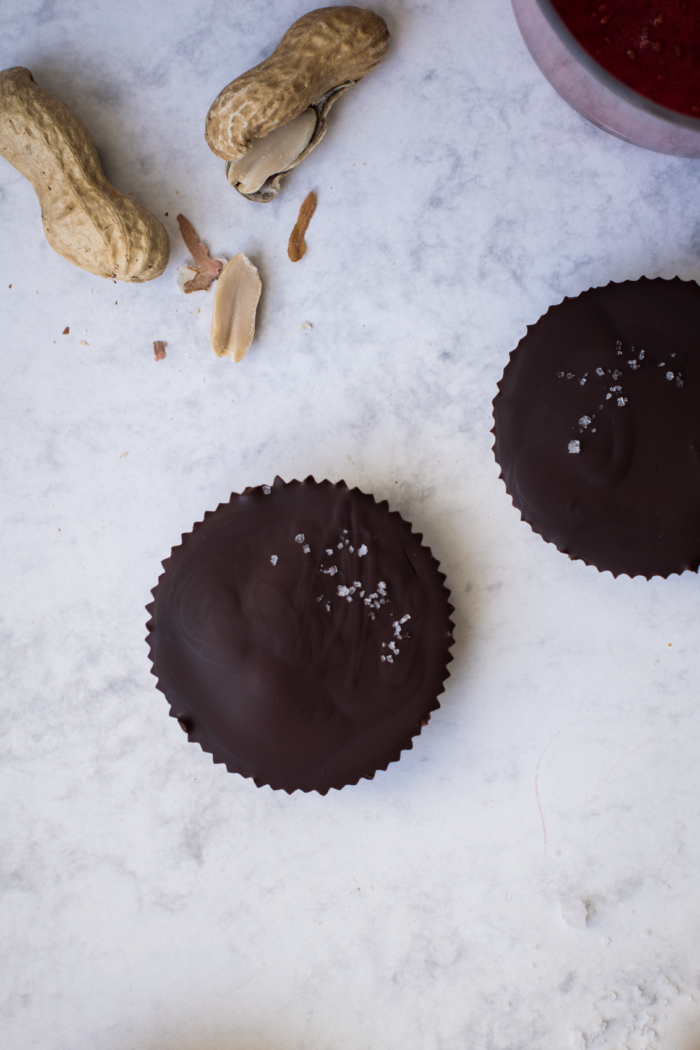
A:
323	54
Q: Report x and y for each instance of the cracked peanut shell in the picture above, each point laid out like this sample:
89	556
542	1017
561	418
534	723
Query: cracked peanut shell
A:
323	54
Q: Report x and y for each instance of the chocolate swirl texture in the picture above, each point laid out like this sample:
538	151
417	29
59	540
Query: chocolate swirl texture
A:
597	427
301	634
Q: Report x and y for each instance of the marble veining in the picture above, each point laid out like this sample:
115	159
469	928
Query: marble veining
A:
150	900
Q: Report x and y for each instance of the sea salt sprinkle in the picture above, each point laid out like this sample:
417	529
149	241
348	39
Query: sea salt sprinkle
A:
362	551
274	559
266	489
300	538
616	390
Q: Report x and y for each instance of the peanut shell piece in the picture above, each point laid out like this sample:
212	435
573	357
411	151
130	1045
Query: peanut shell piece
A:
323	54
235	303
86	220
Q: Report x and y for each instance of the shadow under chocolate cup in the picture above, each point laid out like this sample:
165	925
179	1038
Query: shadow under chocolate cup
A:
597	427
301	635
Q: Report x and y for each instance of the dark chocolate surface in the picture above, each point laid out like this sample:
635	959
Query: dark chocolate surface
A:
301	634
616	370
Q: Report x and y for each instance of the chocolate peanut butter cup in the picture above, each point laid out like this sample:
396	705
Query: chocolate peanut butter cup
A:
301	634
597	427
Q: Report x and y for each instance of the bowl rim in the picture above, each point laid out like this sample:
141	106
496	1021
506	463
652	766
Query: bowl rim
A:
628	94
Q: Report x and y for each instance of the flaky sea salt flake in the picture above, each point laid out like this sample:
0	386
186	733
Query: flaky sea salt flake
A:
574	446
584	421
300	538
274	559
362	551
670	375
622	401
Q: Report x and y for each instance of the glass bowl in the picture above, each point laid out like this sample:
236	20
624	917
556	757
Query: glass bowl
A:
596	94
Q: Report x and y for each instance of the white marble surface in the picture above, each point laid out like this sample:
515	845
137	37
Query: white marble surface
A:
151	901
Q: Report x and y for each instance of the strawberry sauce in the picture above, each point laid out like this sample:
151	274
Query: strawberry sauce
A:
653	46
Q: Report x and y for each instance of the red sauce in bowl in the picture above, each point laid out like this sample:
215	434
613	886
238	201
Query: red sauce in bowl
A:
653	46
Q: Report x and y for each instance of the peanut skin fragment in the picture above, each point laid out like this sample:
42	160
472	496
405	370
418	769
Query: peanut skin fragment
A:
159	349
297	245
86	220
235	303
199	251
201	282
